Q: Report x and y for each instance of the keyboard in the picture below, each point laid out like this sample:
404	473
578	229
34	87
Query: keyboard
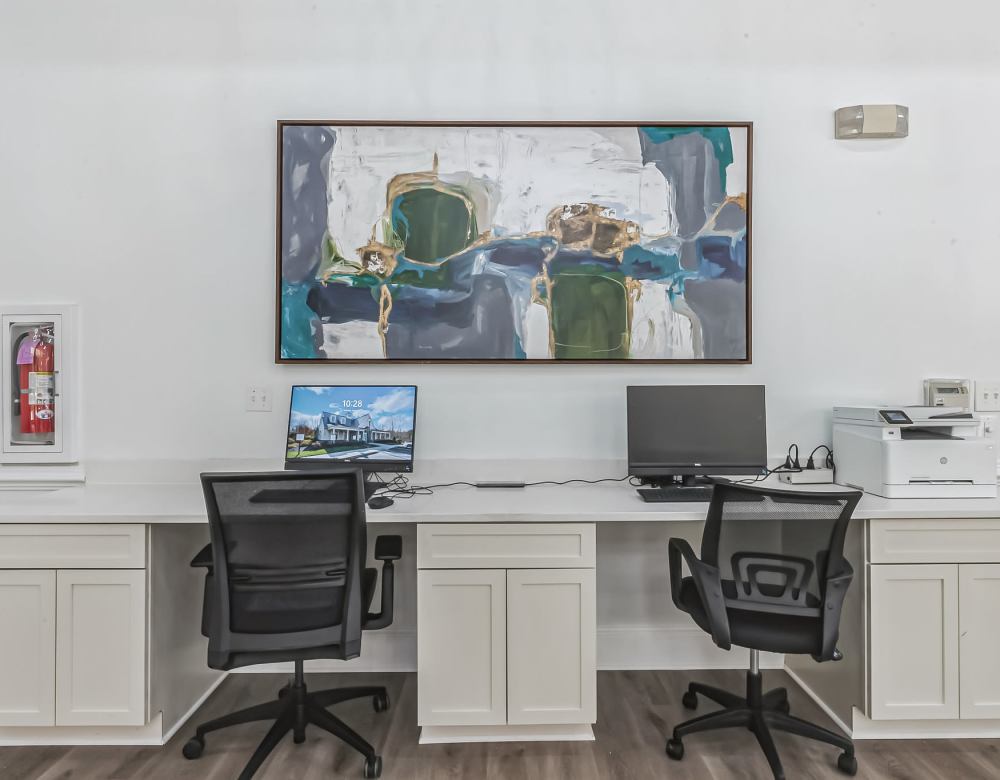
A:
663	495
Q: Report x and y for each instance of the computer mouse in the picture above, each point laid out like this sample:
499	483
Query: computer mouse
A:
380	502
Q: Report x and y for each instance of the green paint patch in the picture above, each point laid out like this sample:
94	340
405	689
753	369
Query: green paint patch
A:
589	316
432	224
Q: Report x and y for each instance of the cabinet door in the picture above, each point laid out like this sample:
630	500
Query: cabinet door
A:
461	647
551	646
27	648
914	641
101	647
979	639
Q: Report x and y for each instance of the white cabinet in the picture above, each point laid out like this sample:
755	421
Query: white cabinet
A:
914	641
73	640
934	619
27	651
979	639
506	634
101	647
551	646
461	647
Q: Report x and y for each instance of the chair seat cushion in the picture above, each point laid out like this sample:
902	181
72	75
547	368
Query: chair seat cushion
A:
757	630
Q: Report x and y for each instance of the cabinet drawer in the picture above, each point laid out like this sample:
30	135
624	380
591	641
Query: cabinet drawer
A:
39	546
975	540
505	546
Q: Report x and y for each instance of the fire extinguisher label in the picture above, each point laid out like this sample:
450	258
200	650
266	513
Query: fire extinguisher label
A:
41	388
26	352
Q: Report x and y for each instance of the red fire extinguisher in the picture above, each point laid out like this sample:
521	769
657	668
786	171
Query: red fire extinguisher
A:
25	358
42	386
36	383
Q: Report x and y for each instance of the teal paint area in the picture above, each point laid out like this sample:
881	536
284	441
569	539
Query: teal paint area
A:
297	320
432	224
719	137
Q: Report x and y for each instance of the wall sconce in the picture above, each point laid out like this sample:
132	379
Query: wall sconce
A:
872	121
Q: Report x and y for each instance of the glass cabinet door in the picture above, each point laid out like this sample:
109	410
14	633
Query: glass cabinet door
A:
32	351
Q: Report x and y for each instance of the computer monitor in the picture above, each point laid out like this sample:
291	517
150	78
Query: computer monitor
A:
371	426
685	431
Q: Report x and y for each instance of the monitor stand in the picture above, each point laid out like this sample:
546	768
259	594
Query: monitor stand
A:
676	488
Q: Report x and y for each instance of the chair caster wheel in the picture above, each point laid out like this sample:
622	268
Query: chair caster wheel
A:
193	747
675	749
848	764
785	708
380	702
690	700
298	739
282	691
373	767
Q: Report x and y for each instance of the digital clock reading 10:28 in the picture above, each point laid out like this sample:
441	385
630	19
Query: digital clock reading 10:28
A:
353	404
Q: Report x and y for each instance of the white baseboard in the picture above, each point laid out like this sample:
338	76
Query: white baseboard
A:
150	734
820	703
967	728
193	708
670	647
435	735
382	651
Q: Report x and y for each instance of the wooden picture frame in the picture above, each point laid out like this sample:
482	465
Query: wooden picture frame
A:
457	269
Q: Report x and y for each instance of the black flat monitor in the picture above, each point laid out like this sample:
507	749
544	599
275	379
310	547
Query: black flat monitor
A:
686	431
371	426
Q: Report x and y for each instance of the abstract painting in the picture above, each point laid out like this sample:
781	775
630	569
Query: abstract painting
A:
471	242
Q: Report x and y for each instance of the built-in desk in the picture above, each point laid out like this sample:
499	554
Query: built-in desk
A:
103	644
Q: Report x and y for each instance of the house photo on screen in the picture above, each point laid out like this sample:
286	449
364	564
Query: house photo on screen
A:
352	424
513	242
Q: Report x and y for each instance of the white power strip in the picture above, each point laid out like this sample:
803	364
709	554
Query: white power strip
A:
817	476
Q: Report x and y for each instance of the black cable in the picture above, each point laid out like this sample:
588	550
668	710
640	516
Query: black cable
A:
811	463
400	487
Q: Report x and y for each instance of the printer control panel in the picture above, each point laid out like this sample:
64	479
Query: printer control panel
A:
895	416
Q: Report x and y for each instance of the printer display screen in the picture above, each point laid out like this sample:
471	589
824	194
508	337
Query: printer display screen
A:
895	416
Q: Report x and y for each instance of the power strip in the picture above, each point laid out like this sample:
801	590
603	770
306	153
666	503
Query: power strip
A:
817	476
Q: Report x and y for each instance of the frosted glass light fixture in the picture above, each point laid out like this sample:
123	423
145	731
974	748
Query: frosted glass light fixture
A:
872	121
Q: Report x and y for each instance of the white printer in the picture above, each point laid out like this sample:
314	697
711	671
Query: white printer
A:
913	452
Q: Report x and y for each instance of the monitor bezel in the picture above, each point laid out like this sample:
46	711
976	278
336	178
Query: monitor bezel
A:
643	469
367	467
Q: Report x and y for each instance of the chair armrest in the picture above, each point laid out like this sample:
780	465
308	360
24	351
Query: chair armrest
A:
204	558
833	603
709	585
387	550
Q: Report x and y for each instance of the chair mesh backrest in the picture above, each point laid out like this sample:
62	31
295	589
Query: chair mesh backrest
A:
286	545
777	545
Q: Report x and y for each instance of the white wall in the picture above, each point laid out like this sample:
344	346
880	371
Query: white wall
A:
137	150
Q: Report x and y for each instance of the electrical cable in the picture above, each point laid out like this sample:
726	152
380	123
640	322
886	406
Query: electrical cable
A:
399	487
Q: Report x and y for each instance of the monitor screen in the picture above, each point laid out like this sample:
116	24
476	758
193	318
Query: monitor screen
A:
370	426
696	429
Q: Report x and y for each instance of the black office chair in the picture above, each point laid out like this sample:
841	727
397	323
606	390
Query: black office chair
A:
766	598
286	581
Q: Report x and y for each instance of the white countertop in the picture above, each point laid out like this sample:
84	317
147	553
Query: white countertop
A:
181	501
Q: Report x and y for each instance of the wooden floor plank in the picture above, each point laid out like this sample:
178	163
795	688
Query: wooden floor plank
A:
636	710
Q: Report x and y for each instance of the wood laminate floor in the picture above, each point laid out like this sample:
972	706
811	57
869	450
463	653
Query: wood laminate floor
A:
635	712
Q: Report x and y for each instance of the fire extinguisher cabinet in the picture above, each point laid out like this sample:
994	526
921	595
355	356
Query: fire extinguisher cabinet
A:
39	422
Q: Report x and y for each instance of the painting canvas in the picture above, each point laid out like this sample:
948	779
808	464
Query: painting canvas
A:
513	242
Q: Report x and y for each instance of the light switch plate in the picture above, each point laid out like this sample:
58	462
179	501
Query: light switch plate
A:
258	399
988	395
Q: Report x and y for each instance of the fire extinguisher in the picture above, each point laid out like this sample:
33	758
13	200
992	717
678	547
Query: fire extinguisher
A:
25	358
36	383
42	385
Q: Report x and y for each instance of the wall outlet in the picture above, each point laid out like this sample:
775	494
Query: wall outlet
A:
258	399
988	395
